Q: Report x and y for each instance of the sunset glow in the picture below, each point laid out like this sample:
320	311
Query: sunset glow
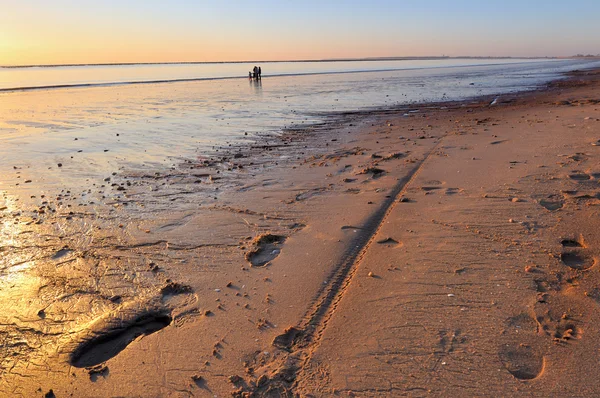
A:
66	31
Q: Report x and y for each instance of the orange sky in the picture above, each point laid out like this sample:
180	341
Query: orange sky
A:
69	31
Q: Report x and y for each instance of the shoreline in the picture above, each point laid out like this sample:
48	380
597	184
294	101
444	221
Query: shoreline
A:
228	299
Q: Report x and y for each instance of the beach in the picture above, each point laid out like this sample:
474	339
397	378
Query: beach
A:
430	249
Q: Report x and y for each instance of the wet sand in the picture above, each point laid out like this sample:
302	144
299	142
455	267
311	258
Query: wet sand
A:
440	250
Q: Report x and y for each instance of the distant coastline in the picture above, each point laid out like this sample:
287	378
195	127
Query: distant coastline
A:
270	61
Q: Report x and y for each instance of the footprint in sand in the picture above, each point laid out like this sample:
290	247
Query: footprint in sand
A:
565	331
561	328
552	203
65	251
522	361
572	242
579	176
112	333
522	354
265	249
574	257
577	260
116	336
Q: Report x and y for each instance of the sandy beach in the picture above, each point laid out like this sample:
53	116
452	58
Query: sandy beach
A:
445	249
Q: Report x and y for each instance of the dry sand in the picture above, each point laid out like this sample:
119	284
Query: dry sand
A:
448	251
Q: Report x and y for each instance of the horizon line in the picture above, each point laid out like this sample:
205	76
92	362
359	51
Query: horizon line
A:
402	58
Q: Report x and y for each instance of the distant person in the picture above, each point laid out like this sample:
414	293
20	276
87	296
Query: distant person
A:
259	73
249	75
255	72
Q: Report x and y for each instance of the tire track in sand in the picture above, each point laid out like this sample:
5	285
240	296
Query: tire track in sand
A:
316	319
298	343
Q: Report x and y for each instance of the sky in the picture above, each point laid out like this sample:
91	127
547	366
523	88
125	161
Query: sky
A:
113	31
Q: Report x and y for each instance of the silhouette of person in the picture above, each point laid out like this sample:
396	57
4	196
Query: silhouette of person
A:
255	72
259	73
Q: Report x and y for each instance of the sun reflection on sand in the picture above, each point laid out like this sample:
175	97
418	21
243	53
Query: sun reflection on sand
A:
59	280
10	229
18	286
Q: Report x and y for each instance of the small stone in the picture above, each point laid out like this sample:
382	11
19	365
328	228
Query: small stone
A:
234	379
370	274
